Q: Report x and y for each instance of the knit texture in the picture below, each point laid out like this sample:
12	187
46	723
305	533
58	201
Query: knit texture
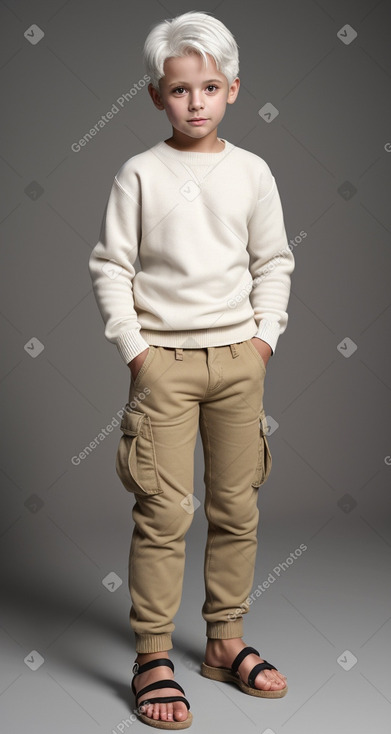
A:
214	261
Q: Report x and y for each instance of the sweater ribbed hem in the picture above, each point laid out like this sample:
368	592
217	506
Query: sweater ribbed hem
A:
200	338
133	342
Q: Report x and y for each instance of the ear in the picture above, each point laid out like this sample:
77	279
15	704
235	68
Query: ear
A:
156	98
233	91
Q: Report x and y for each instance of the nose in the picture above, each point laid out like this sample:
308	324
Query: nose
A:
195	101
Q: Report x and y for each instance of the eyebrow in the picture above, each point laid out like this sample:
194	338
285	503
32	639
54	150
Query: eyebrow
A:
208	81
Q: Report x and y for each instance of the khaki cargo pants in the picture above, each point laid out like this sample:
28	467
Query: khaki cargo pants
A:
220	390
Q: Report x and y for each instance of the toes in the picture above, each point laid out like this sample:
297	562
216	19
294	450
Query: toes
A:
274	681
262	682
268	680
180	712
146	709
163	711
280	678
156	710
170	711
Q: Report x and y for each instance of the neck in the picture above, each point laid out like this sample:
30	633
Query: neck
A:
200	146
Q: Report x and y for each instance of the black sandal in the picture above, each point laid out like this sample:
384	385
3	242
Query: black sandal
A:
166	683
231	675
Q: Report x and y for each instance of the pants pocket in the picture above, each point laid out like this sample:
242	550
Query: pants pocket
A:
136	463
145	365
264	455
256	354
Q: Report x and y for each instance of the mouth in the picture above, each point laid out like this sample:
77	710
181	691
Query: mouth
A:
198	121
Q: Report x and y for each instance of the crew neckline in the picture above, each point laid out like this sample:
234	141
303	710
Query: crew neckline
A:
194	156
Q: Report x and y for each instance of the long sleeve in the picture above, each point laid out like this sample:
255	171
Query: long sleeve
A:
271	263
111	267
198	249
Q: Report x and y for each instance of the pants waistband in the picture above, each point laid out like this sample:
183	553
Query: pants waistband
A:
233	348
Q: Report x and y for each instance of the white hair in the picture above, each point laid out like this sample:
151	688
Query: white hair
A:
187	33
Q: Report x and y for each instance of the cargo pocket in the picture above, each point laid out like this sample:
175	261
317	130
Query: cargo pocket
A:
136	463
264	455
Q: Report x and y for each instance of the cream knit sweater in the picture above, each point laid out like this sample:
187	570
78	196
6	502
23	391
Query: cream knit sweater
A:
215	264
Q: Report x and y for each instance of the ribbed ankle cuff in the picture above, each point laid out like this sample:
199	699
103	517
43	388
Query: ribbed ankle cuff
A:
153	643
225	630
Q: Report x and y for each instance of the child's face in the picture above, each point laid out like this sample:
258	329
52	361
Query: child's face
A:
189	89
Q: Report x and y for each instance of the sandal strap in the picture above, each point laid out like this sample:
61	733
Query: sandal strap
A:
241	655
137	668
166	683
257	669
165	699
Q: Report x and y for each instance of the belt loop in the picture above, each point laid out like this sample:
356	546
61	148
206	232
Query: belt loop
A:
178	353
234	350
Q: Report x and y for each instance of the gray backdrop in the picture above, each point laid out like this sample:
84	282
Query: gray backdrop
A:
324	621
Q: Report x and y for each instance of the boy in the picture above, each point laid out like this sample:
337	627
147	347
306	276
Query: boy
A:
196	326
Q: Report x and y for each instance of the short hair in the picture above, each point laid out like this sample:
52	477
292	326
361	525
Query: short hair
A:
192	31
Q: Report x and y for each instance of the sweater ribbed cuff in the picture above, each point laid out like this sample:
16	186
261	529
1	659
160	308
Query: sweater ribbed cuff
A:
269	331
130	344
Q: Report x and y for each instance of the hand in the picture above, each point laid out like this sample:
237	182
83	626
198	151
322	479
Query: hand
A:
136	363
263	348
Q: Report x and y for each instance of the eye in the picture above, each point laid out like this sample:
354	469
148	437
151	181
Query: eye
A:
178	90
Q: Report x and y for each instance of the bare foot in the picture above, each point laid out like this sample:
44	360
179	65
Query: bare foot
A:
166	711
223	653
